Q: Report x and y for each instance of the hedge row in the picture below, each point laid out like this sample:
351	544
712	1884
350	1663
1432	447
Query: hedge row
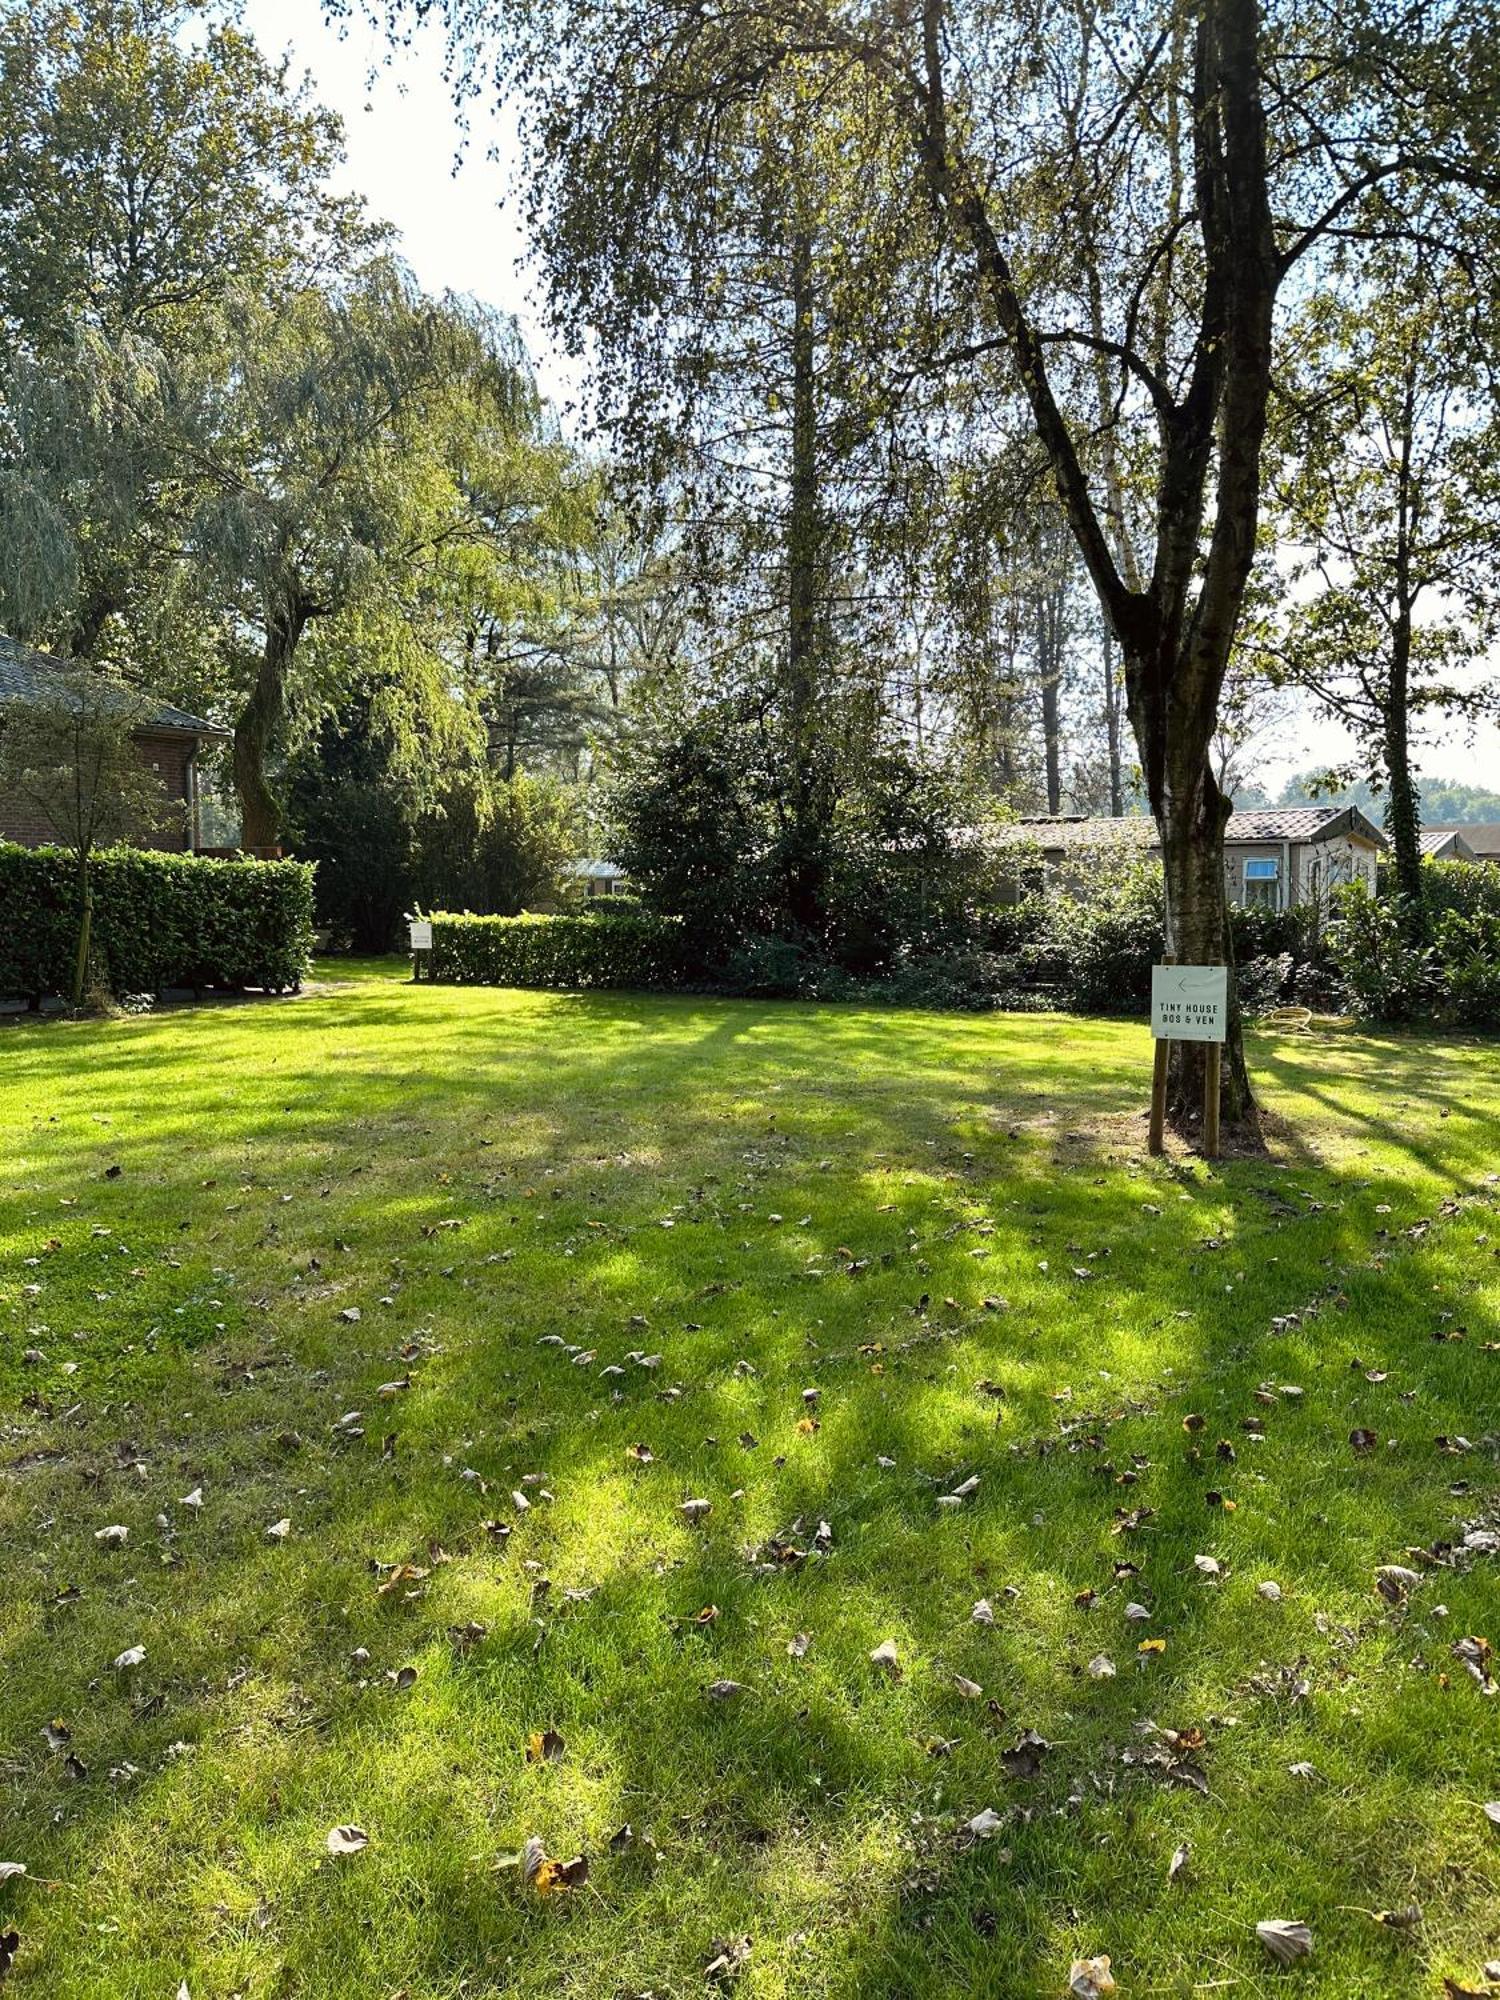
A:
631	951
159	920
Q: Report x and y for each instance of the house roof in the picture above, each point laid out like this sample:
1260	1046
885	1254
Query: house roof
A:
1273	823
28	675
1436	840
1483	839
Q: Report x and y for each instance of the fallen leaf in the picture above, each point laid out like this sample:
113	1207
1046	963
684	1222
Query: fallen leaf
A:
555	1878
1286	1939
1178	1862
131	1657
10	1871
347	1840
970	1690
798	1644
727	1960
887	1659
1090	1978
985	1825
1100	1668
544	1746
279	1530
724	1690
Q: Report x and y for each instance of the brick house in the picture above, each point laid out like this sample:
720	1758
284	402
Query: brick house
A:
1273	857
167	742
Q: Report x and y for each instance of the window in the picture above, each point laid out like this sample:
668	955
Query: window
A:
1263	884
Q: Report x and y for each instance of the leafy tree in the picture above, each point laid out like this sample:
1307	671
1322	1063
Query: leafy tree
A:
1390	507
1216	152
152	161
339	456
1444	801
71	756
152	164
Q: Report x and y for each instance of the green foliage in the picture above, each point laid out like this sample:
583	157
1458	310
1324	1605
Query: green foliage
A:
1445	801
159	920
702	824
151	158
1096	946
1453	977
635	951
1466	948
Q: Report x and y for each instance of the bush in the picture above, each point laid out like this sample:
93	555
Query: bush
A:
159	920
632	951
1095	950
1466	949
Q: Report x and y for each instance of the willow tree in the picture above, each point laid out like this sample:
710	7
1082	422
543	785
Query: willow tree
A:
1213	148
338	455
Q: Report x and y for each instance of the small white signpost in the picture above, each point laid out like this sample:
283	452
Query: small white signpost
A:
1189	1003
420	932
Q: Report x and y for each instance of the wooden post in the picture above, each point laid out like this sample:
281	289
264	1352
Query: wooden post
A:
1156	1138
1214	1053
1155	1143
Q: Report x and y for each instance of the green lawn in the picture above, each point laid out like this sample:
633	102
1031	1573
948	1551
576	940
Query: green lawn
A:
944	1226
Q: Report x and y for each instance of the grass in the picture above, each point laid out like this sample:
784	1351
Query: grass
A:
890	1209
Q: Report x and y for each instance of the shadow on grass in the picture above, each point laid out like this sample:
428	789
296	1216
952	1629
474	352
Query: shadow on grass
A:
810	1811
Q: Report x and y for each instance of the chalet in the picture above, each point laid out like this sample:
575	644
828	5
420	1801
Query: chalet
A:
1273	857
168	742
1463	843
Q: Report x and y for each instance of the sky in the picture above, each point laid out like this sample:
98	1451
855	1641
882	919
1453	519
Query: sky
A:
462	230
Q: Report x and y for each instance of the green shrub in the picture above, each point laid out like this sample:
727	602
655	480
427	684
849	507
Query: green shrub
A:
1466	951
631	951
159	920
1386	976
1095	949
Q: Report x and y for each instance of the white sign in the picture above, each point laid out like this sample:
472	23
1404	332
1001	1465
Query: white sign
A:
421	934
1189	1003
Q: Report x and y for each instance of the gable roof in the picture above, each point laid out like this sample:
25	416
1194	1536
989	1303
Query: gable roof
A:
1273	823
1437	840
29	675
1483	839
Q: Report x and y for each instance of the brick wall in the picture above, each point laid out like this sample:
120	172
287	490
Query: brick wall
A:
168	756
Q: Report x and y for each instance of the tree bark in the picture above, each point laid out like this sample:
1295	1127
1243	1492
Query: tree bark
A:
1403	815
808	806
1049	662
1111	693
259	723
85	930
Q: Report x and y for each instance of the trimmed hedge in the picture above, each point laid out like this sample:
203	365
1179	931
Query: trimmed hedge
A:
159	920
632	950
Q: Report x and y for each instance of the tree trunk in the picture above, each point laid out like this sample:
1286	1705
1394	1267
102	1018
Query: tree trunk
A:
1111	691
808	803
1191	813
1049	661
1403	817
1177	631
258	725
85	930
